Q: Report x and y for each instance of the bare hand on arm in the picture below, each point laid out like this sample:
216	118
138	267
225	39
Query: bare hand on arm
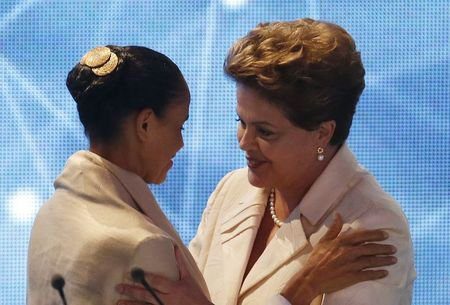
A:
339	261
184	291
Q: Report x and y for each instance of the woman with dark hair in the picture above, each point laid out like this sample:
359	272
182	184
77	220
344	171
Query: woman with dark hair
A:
103	220
298	84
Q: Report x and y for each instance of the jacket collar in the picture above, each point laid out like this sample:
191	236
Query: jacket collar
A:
241	221
143	199
238	230
342	173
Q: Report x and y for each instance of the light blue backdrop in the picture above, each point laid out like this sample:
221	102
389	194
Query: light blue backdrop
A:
401	130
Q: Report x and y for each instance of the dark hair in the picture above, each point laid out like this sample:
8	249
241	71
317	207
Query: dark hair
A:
143	78
310	69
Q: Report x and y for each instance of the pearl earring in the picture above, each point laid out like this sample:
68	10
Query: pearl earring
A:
320	155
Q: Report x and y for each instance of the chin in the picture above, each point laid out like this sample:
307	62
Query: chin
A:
160	177
255	180
159	180
156	180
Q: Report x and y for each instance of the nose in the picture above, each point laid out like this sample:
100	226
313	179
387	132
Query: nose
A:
246	138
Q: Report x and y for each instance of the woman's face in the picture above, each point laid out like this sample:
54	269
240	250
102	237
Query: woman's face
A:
165	140
278	153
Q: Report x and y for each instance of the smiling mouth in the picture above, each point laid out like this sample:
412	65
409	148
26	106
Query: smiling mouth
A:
254	163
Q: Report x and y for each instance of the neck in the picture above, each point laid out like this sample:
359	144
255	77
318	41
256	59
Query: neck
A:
288	197
118	153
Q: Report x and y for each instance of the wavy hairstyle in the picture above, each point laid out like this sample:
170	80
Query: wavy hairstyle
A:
310	69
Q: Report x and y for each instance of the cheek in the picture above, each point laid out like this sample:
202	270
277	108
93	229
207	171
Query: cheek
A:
283	155
172	142
239	133
270	151
299	158
180	141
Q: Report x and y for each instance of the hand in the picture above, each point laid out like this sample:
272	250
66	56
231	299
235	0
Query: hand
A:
339	261
184	291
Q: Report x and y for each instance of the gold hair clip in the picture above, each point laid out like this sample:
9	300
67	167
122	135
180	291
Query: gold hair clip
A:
101	60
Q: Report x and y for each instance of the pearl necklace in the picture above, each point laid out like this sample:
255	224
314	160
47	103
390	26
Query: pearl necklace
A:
272	208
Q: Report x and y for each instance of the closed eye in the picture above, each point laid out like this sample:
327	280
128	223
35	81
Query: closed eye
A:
242	123
264	132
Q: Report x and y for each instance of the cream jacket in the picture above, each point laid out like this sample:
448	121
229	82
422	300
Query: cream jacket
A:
101	222
231	219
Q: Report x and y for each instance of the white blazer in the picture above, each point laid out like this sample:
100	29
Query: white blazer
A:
231	219
101	222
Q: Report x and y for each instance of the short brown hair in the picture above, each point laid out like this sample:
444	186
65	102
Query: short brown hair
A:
309	68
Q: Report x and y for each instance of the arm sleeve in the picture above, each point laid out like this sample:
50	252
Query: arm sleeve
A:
153	253
156	254
371	293
396	288
199	245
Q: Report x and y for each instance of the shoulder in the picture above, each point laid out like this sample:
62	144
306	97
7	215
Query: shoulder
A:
233	187
156	254
236	178
374	206
231	191
102	226
368	206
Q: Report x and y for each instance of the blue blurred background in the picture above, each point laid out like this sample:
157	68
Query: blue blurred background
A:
401	130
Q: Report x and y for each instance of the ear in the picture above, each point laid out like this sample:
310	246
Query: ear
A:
144	123
325	132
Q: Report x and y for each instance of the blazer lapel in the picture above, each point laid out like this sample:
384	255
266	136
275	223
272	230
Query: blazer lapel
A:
288	241
325	194
238	230
144	201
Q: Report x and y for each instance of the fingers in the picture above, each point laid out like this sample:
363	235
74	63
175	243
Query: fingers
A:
369	275
137	293
334	229
181	263
363	236
374	249
129	302
373	262
159	283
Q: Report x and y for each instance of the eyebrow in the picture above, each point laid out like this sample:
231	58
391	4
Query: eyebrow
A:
257	122
262	123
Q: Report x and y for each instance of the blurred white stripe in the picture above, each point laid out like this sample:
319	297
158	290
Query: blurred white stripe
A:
197	135
37	95
24	131
16	12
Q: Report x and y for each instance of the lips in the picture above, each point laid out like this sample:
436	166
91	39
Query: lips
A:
254	163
